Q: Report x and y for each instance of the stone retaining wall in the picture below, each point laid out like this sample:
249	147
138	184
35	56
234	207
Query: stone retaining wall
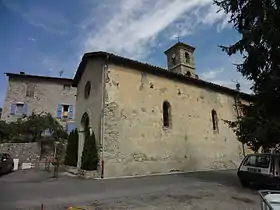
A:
25	152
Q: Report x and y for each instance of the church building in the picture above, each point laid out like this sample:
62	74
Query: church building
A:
149	120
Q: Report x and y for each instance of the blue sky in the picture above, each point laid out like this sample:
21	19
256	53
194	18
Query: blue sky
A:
44	37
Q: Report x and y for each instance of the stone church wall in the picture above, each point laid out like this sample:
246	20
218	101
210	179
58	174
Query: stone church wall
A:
91	105
135	141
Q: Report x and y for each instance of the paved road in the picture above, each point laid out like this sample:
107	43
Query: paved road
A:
200	190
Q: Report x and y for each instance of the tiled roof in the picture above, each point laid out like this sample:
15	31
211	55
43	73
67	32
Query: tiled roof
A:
15	75
145	67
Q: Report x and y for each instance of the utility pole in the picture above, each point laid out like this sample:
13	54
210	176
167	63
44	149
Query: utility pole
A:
237	103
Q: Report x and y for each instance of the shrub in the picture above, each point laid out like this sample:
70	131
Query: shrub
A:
71	157
90	154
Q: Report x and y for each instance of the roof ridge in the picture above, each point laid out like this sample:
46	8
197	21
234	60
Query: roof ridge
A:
154	70
38	76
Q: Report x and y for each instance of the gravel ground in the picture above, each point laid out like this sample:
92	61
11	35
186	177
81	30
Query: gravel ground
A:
199	191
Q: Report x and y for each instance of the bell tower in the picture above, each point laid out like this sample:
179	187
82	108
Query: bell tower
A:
180	59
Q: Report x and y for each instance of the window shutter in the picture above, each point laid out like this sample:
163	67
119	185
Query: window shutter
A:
59	111
70	112
13	109
25	109
70	127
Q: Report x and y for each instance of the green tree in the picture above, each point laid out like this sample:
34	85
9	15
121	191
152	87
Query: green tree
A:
71	157
90	157
258	22
31	128
35	125
11	132
4	134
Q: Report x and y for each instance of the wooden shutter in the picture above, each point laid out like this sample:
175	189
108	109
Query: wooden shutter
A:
70	112
25	109
13	108
59	111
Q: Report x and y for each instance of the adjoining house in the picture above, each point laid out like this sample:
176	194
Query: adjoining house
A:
32	93
150	120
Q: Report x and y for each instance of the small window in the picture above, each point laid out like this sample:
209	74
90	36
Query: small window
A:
65	110
174	61
4	156
19	109
187	57
166	114
87	89
66	87
188	74
215	120
7	155
30	89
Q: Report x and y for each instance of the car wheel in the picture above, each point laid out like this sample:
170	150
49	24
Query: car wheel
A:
244	183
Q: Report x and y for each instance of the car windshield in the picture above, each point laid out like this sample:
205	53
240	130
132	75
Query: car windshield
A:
261	161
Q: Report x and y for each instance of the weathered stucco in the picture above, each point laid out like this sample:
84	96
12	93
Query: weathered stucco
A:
135	141
47	95
91	105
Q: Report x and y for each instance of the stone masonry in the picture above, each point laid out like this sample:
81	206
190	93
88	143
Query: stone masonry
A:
135	141
126	112
25	152
48	93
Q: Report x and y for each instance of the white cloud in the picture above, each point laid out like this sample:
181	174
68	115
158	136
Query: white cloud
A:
207	15
131	28
227	78
31	39
212	74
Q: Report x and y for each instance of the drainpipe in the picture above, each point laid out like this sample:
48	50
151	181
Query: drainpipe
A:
237	101
104	71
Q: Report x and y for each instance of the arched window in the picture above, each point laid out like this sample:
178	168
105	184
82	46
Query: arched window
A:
187	57
87	89
166	114
173	59
188	74
215	120
85	121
